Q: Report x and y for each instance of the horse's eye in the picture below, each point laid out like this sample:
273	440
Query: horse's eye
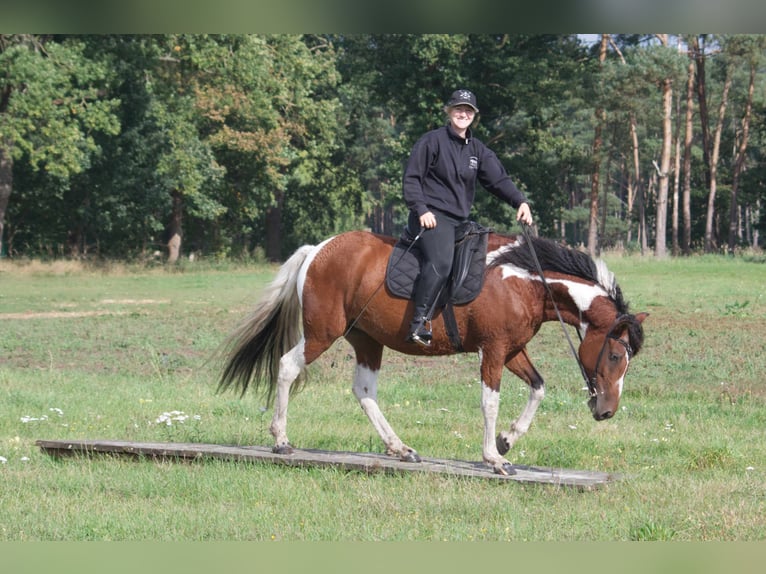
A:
614	358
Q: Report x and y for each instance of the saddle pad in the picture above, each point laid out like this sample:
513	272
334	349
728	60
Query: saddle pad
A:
403	269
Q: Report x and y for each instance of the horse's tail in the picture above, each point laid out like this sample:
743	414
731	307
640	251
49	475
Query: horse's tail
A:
253	349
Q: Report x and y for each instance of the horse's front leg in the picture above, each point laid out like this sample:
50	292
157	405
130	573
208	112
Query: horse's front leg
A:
522	367
491	373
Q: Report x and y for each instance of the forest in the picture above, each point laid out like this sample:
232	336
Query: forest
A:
159	147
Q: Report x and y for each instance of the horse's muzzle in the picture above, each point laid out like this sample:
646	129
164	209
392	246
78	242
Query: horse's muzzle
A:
598	415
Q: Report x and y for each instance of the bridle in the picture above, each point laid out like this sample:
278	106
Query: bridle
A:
590	382
610	335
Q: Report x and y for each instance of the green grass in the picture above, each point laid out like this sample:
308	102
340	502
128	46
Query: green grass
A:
88	354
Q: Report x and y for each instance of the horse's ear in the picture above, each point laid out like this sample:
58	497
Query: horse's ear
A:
632	326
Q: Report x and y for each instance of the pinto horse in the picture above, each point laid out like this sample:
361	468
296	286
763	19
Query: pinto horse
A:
334	289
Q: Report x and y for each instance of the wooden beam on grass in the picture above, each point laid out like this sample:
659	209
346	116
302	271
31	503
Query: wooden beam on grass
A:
351	461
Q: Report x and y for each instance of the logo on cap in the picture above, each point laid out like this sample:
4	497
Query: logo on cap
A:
463	97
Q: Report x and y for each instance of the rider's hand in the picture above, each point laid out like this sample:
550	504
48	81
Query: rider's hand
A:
524	214
428	220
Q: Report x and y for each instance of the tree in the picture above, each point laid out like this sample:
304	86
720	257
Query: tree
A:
710	242
52	105
270	112
749	49
122	145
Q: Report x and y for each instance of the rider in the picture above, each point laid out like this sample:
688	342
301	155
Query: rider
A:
438	187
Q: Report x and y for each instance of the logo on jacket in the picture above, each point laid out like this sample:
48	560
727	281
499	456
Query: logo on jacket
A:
473	162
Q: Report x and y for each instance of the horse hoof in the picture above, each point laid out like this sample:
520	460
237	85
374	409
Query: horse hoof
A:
410	456
506	469
503	446
282	449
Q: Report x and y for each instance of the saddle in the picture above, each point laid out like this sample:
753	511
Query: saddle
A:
466	278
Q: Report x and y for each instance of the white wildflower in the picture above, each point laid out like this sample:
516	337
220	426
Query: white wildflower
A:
168	418
3	460
28	419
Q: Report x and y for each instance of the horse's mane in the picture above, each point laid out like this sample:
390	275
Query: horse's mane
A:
561	259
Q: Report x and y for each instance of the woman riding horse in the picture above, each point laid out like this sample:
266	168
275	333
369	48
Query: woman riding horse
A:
439	186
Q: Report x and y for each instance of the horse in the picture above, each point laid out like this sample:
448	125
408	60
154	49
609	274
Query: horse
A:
334	289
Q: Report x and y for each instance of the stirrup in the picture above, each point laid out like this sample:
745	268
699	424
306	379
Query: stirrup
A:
422	335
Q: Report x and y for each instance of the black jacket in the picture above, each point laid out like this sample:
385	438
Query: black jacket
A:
443	169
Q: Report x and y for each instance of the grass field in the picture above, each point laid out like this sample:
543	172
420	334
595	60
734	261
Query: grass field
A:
123	354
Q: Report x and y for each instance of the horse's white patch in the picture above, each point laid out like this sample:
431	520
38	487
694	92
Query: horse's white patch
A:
581	293
365	383
490	407
490	401
621	380
307	263
508	270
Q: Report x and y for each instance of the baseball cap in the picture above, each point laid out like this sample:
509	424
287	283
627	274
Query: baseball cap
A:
462	97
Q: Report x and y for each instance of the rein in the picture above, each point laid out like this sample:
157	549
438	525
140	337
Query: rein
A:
591	383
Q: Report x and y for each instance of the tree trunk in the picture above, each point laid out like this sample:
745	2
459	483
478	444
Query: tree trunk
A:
274	229
676	177
643	228
664	171
715	152
660	240
699	56
593	246
604	209
6	185
739	162
634	194
687	162
175	229
636	168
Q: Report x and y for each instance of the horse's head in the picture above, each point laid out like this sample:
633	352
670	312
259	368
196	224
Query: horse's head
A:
605	356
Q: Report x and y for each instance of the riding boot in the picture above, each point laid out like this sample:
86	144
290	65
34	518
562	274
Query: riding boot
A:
427	290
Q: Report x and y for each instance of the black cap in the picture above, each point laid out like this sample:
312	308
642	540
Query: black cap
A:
463	97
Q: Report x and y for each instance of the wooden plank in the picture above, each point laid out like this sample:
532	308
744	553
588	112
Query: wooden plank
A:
365	462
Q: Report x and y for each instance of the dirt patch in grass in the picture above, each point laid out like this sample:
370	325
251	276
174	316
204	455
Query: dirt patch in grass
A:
58	314
79	314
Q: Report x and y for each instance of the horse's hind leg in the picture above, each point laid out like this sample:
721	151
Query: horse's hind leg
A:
368	359
290	366
522	367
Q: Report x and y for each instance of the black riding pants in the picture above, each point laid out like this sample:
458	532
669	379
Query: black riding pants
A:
437	246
